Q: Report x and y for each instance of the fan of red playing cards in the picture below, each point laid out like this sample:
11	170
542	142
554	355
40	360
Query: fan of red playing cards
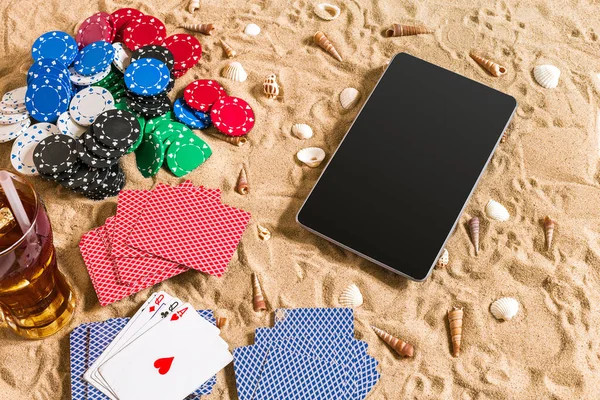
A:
157	234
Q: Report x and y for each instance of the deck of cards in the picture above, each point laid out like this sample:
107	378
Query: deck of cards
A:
310	353
166	351
157	234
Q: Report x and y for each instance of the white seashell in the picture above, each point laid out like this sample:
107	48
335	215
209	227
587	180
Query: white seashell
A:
235	72
252	30
311	156
505	308
444	259
349	97
193	5
496	211
327	11
351	297
547	76
302	131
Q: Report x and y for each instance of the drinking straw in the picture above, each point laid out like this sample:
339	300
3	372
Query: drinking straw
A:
15	202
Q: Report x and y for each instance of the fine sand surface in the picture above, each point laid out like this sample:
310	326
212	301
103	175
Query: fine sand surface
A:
549	165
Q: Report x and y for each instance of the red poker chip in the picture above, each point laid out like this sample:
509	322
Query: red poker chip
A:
95	28
123	17
202	94
144	31
186	50
232	116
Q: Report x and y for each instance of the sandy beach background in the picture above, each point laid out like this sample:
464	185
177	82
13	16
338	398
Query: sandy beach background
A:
549	165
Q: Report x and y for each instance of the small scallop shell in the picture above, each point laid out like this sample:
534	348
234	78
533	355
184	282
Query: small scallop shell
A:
349	97
351	297
311	156
444	259
235	72
327	11
547	76
252	30
505	308
496	211
302	131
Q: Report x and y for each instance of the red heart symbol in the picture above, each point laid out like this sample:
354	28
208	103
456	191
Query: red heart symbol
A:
174	317
163	364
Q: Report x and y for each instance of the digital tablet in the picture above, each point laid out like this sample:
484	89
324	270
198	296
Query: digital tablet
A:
397	184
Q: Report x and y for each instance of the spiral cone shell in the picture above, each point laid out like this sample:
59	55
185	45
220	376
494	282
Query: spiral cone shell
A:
326	45
193	6
493	68
455	319
236	140
258	300
474	229
221	321
549	225
444	259
205	29
406	30
351	297
401	347
242	186
270	86
229	51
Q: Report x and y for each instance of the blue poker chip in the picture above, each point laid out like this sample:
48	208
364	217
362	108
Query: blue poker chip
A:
147	77
190	117
47	98
41	67
94	58
55	45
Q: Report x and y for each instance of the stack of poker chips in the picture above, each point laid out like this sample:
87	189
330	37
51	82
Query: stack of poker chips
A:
90	163
14	117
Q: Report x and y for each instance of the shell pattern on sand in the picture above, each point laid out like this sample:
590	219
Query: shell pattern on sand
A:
235	72
242	186
549	225
270	86
311	156
351	297
326	45
490	66
505	308
258	300
326	11
496	211
455	320
474	231
406	30
205	29
401	347
302	131
547	76
349	97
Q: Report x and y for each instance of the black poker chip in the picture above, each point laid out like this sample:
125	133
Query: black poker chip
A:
109	189
96	183
55	154
157	99
84	176
147	110
118	129
62	175
154	51
91	160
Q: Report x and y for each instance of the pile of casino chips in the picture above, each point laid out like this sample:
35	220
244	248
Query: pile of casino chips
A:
90	163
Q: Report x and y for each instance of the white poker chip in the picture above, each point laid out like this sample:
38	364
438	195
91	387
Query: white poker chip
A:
15	97
12	109
11	132
21	155
68	127
89	103
10	119
81	80
122	56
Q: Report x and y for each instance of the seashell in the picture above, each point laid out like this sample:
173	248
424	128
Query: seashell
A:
235	72
496	211
401	347
444	259
505	308
455	319
270	86
228	49
236	140
311	156
547	76
351	297
349	97
252	30
205	29
258	300
263	233
242	186
406	30
549	225
193	6
327	11
493	68
302	131
474	228
326	45
221	321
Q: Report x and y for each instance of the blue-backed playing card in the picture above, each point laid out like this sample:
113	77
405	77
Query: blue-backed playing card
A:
78	352
329	320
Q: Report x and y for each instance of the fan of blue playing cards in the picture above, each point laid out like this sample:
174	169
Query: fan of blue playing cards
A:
310	353
166	351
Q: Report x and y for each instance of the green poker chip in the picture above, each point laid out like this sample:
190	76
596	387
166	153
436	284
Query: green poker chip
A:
186	154
150	155
153	122
166	128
